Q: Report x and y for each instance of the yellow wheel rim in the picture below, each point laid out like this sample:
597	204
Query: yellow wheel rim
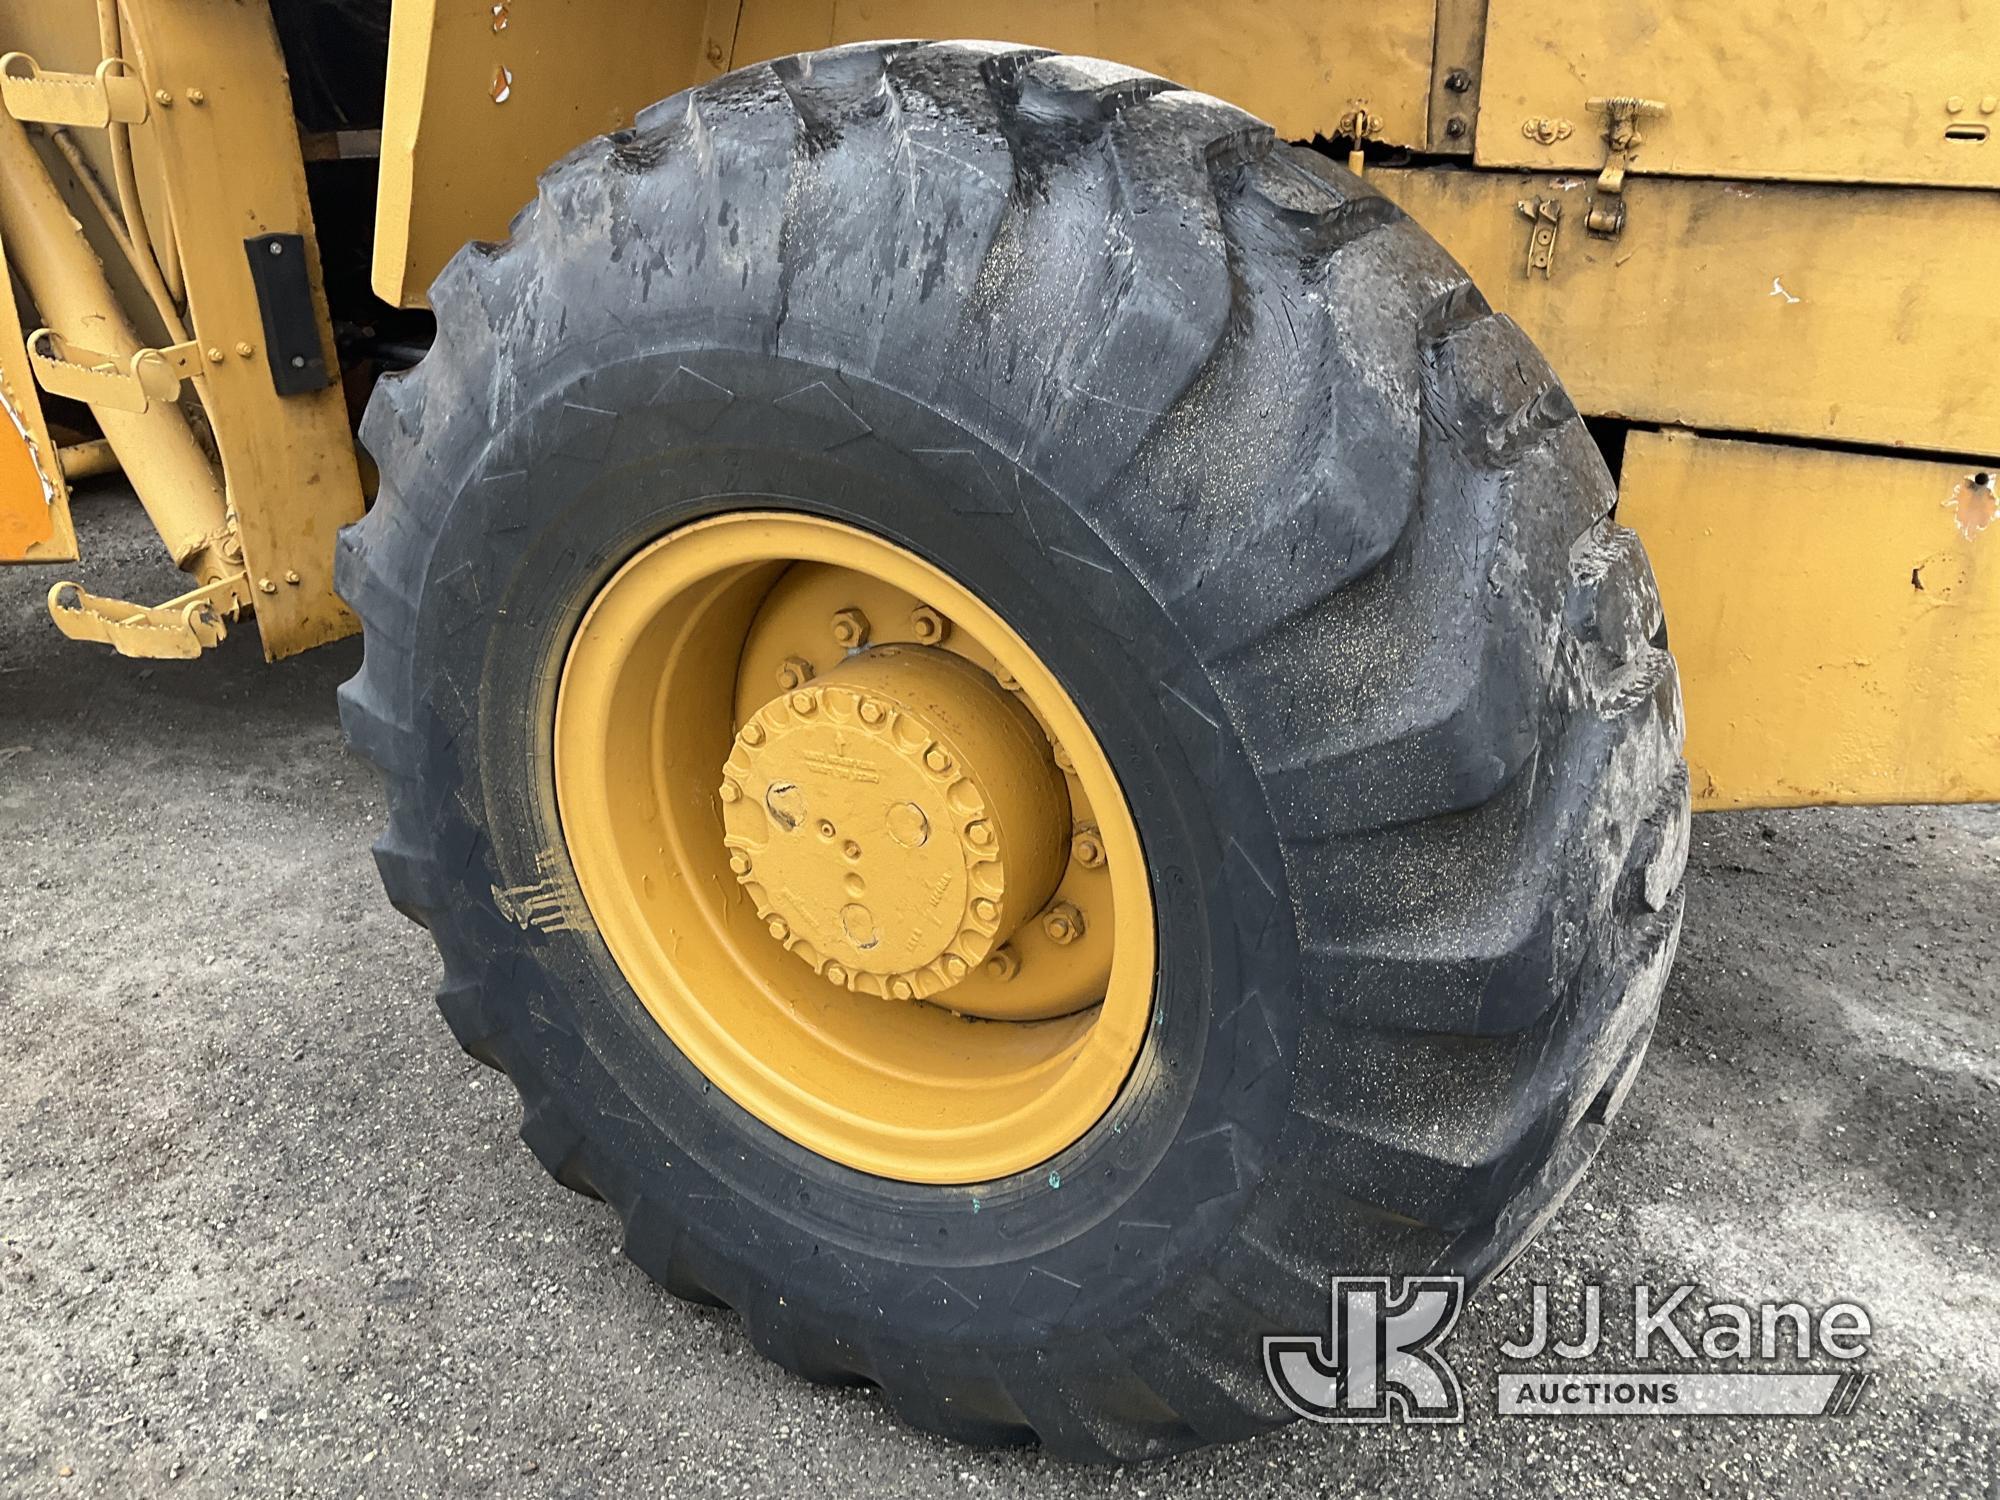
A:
854	848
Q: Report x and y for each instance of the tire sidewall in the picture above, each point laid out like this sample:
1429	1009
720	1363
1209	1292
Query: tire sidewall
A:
610	458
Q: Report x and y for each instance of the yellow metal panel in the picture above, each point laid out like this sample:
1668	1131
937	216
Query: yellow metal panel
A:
483	94
230	146
1300	64
1857	315
34	502
1836	617
1836	90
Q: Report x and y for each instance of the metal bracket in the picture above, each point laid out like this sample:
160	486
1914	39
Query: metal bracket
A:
148	375
114	94
1545	215
180	629
1622	140
1360	127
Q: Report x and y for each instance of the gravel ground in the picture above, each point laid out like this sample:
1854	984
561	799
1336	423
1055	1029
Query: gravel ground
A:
265	1231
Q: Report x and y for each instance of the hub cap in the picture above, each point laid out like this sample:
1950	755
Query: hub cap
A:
895	821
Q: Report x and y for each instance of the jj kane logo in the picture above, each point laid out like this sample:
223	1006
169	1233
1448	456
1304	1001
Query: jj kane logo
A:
1382	1355
1379	1352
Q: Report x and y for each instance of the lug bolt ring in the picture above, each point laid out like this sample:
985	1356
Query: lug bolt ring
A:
850	629
1062	923
928	626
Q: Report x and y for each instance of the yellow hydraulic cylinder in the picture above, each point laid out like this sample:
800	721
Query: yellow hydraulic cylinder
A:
180	489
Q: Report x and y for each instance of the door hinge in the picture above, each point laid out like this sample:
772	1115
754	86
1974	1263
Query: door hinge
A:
1622	140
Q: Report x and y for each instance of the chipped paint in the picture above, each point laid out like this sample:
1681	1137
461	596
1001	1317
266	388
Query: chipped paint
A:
1778	290
49	495
503	83
1975	503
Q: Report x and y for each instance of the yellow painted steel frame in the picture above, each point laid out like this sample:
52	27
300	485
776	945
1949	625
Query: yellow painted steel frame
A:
229	142
219	123
1836	617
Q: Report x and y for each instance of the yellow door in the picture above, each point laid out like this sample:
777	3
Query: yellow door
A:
1892	91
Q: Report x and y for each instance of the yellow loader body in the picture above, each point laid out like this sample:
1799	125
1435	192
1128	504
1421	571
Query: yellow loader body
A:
1774	299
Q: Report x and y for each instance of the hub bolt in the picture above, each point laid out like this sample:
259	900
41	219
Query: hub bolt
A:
1063	923
1003	965
778	929
928	626
753	733
794	672
835	974
900	988
937	760
729	791
979	835
739	862
1088	848
802	703
850	629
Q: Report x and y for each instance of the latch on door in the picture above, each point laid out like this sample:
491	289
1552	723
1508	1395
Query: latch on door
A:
1622	140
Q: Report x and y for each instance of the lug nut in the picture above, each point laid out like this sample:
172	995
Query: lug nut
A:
1003	965
850	629
794	672
1062	923
928	626
1087	848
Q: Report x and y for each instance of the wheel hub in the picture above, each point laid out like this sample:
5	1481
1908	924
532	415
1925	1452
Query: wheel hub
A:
895	821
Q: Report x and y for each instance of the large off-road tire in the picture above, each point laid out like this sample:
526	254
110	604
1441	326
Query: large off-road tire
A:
1312	537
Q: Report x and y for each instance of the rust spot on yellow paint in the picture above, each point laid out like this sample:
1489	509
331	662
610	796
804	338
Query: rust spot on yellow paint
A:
1976	504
